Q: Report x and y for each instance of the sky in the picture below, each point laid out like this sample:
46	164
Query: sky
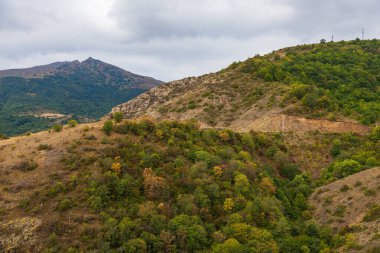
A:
172	39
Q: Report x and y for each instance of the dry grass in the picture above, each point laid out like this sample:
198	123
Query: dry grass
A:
19	217
230	100
343	204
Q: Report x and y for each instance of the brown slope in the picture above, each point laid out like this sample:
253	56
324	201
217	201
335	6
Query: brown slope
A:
227	100
23	229
343	205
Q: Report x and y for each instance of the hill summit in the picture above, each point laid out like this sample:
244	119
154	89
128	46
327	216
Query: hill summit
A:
332	87
36	98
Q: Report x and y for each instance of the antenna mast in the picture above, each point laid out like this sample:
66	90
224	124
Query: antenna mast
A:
362	33
332	38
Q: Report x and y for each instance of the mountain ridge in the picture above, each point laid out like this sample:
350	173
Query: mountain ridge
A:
83	90
301	83
67	66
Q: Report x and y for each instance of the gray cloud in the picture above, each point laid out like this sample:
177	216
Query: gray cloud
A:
212	18
171	39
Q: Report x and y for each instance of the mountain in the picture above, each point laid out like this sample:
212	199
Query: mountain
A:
330	87
305	181
36	98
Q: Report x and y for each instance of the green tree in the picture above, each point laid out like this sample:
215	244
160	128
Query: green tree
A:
135	246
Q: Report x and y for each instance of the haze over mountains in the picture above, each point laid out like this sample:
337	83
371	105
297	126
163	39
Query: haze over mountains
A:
36	98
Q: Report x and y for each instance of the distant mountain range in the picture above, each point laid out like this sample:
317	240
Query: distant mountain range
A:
35	98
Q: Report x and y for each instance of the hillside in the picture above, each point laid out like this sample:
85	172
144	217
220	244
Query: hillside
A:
171	187
351	205
188	174
36	98
331	87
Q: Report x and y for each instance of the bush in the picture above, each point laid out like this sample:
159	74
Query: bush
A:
344	188
65	204
336	148
107	127
24	204
345	168
3	137
289	171
44	147
118	116
372	214
56	189
26	166
72	123
375	134
57	128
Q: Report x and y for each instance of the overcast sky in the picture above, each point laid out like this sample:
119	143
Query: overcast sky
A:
172	39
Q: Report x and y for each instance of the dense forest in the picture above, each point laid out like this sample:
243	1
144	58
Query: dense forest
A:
172	187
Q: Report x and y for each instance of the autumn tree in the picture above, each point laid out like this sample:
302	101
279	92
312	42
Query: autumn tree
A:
154	187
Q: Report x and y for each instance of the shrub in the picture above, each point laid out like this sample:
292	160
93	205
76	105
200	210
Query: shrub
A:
191	105
57	128
65	204
344	188
372	214
107	127
24	204
44	147
26	166
72	123
56	189
336	148
340	210
345	168
375	134
369	193
310	100
3	137
118	116
289	171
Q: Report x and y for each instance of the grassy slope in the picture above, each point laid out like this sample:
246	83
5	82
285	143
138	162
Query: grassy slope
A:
350	205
